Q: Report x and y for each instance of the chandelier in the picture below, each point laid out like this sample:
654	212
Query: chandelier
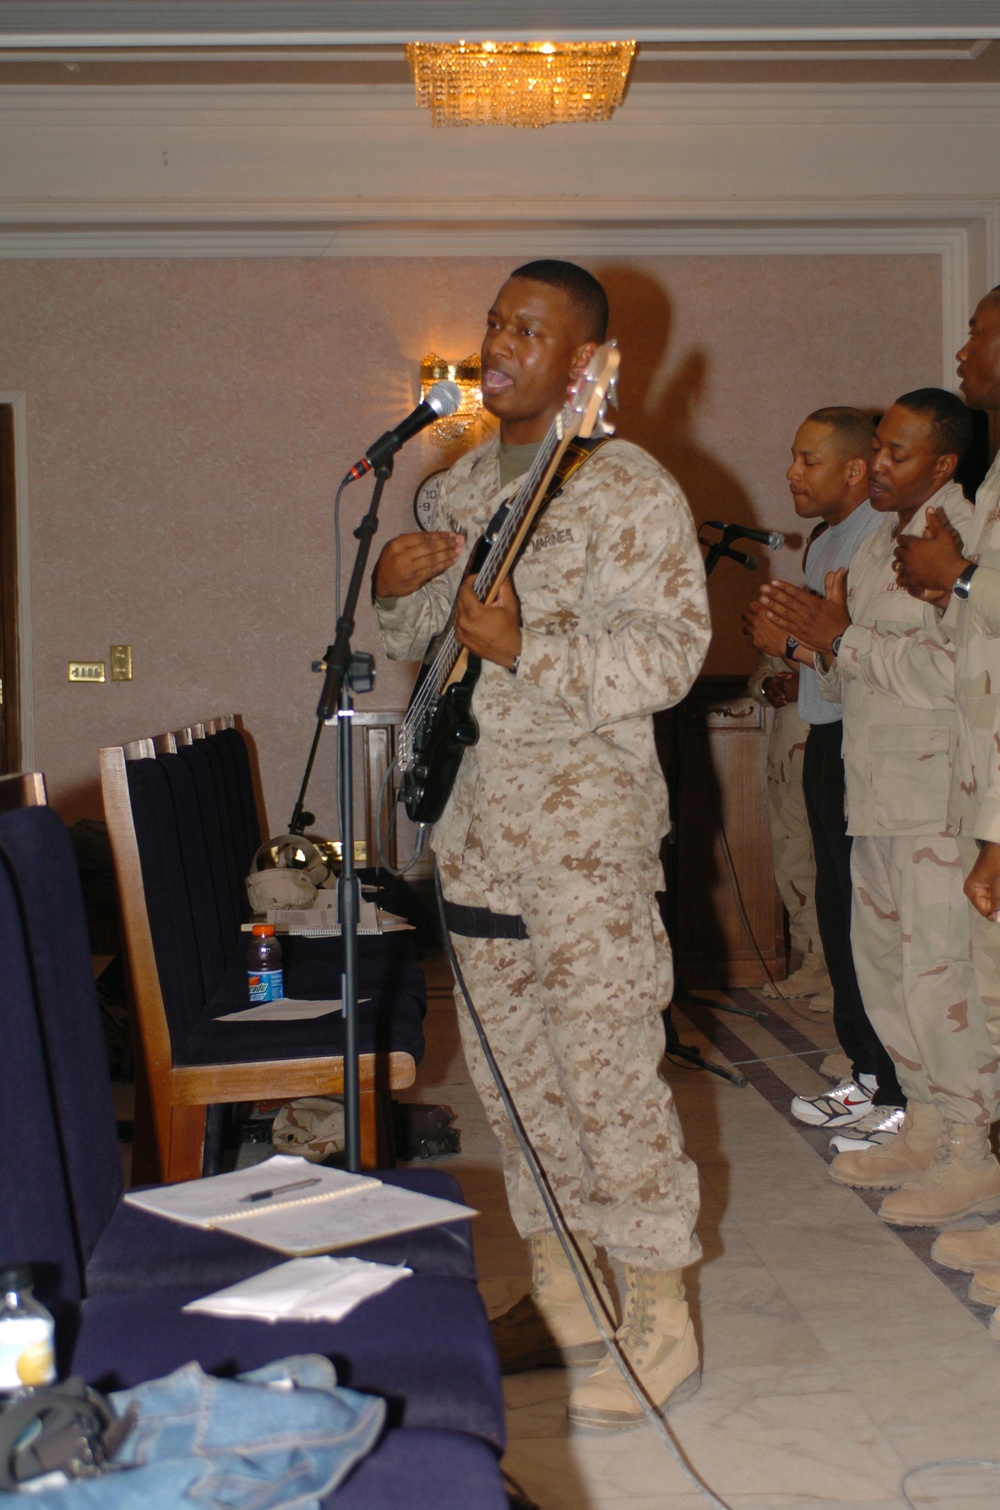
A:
467	374
519	83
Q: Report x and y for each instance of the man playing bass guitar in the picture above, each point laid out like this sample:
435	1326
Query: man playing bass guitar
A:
548	846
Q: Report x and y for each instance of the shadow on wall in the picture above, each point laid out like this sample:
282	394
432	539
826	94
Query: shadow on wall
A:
660	396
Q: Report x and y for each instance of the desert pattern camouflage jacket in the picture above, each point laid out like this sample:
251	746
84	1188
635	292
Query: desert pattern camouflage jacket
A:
615	625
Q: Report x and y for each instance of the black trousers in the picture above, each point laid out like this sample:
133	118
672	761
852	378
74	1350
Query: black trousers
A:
823	785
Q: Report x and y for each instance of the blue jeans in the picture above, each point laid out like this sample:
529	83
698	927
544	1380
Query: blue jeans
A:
275	1439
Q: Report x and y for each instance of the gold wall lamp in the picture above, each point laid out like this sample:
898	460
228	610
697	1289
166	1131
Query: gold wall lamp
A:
467	375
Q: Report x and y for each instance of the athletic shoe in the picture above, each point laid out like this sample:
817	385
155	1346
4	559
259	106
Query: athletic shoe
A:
879	1125
848	1102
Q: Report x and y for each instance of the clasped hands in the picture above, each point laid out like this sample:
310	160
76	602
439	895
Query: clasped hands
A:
784	610
491	631
929	565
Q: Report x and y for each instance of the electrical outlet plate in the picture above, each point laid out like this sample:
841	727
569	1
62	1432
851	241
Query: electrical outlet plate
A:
121	663
86	671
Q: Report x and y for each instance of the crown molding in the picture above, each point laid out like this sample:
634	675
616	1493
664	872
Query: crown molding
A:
250	23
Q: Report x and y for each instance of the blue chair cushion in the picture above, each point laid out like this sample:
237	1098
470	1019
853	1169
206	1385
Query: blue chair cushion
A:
423	1470
424	1346
141	1251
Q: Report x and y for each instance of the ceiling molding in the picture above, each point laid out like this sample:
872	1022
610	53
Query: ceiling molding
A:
257	23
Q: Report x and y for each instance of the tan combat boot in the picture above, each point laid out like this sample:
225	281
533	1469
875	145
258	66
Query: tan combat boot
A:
550	1327
962	1180
968	1250
897	1162
659	1343
984	1287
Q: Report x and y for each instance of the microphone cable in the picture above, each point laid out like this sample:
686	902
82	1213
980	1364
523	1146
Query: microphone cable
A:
566	1240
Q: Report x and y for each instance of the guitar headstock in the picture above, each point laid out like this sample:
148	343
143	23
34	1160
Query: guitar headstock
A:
586	410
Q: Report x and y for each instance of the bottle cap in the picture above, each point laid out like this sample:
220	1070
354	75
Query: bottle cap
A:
15	1277
263	930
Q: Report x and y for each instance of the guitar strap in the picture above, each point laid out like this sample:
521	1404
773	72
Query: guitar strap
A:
573	458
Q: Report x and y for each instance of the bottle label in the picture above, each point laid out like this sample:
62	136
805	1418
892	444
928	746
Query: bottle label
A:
27	1358
266	985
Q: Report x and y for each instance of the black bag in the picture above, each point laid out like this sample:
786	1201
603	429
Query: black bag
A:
66	1428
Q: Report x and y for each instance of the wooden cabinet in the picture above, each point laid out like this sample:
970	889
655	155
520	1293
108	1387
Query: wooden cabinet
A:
717	860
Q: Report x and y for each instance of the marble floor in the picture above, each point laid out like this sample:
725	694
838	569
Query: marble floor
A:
836	1357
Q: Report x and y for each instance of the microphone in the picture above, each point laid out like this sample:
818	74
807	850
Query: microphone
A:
443	399
773	539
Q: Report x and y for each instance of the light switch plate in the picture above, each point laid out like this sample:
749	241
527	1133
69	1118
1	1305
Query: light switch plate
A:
86	671
121	663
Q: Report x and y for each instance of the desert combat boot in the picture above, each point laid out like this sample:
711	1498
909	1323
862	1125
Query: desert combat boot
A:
900	1160
551	1327
963	1179
659	1342
966	1251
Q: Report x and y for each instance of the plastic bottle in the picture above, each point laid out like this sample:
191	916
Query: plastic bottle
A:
27	1335
265	977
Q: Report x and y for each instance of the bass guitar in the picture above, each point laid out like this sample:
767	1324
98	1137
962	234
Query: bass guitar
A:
439	725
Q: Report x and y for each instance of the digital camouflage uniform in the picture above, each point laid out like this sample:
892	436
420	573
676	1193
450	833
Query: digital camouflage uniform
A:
557	816
974	805
791	839
910	933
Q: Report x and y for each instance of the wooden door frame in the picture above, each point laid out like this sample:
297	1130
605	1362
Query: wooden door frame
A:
20	722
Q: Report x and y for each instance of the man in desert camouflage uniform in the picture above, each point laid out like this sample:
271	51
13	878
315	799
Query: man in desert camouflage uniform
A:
891	666
549	845
964	582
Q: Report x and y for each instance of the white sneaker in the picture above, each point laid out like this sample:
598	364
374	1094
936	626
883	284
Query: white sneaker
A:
878	1125
846	1103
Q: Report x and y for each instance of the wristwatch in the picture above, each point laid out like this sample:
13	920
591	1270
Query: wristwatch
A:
835	644
960	588
791	645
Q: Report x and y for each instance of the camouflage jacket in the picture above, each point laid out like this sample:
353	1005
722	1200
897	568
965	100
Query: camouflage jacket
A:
614	626
895	678
974	630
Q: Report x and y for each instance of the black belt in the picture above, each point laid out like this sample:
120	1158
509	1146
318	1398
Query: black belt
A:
481	923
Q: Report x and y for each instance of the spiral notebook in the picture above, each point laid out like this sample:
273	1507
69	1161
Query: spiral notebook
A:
296	1207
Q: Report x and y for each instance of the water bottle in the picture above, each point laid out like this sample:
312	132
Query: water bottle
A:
265	977
27	1335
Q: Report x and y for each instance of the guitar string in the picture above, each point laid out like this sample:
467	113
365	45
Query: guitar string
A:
450	650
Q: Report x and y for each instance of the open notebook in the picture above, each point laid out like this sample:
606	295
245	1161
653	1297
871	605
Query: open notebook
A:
296	1207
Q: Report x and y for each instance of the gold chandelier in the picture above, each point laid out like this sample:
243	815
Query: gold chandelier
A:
467	375
519	83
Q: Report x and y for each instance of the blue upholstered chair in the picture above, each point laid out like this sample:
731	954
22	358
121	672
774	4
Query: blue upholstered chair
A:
424	1346
183	829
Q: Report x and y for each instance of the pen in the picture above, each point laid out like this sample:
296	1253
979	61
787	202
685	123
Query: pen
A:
263	1195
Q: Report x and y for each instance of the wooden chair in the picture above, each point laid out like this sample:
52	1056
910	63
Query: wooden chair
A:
22	789
172	1095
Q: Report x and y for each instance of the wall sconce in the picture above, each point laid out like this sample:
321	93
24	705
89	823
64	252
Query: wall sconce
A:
467	374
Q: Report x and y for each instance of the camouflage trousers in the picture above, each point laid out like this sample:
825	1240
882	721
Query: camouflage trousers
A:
910	935
572	1015
791	840
985	960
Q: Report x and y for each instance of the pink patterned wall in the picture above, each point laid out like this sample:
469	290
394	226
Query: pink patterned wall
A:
188	422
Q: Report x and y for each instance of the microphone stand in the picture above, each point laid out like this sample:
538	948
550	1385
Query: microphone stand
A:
348	671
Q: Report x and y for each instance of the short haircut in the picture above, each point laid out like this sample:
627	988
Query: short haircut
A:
581	287
853	428
951	422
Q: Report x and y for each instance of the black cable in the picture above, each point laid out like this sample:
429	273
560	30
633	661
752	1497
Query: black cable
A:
567	1241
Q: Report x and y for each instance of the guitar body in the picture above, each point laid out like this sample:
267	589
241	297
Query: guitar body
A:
448	730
